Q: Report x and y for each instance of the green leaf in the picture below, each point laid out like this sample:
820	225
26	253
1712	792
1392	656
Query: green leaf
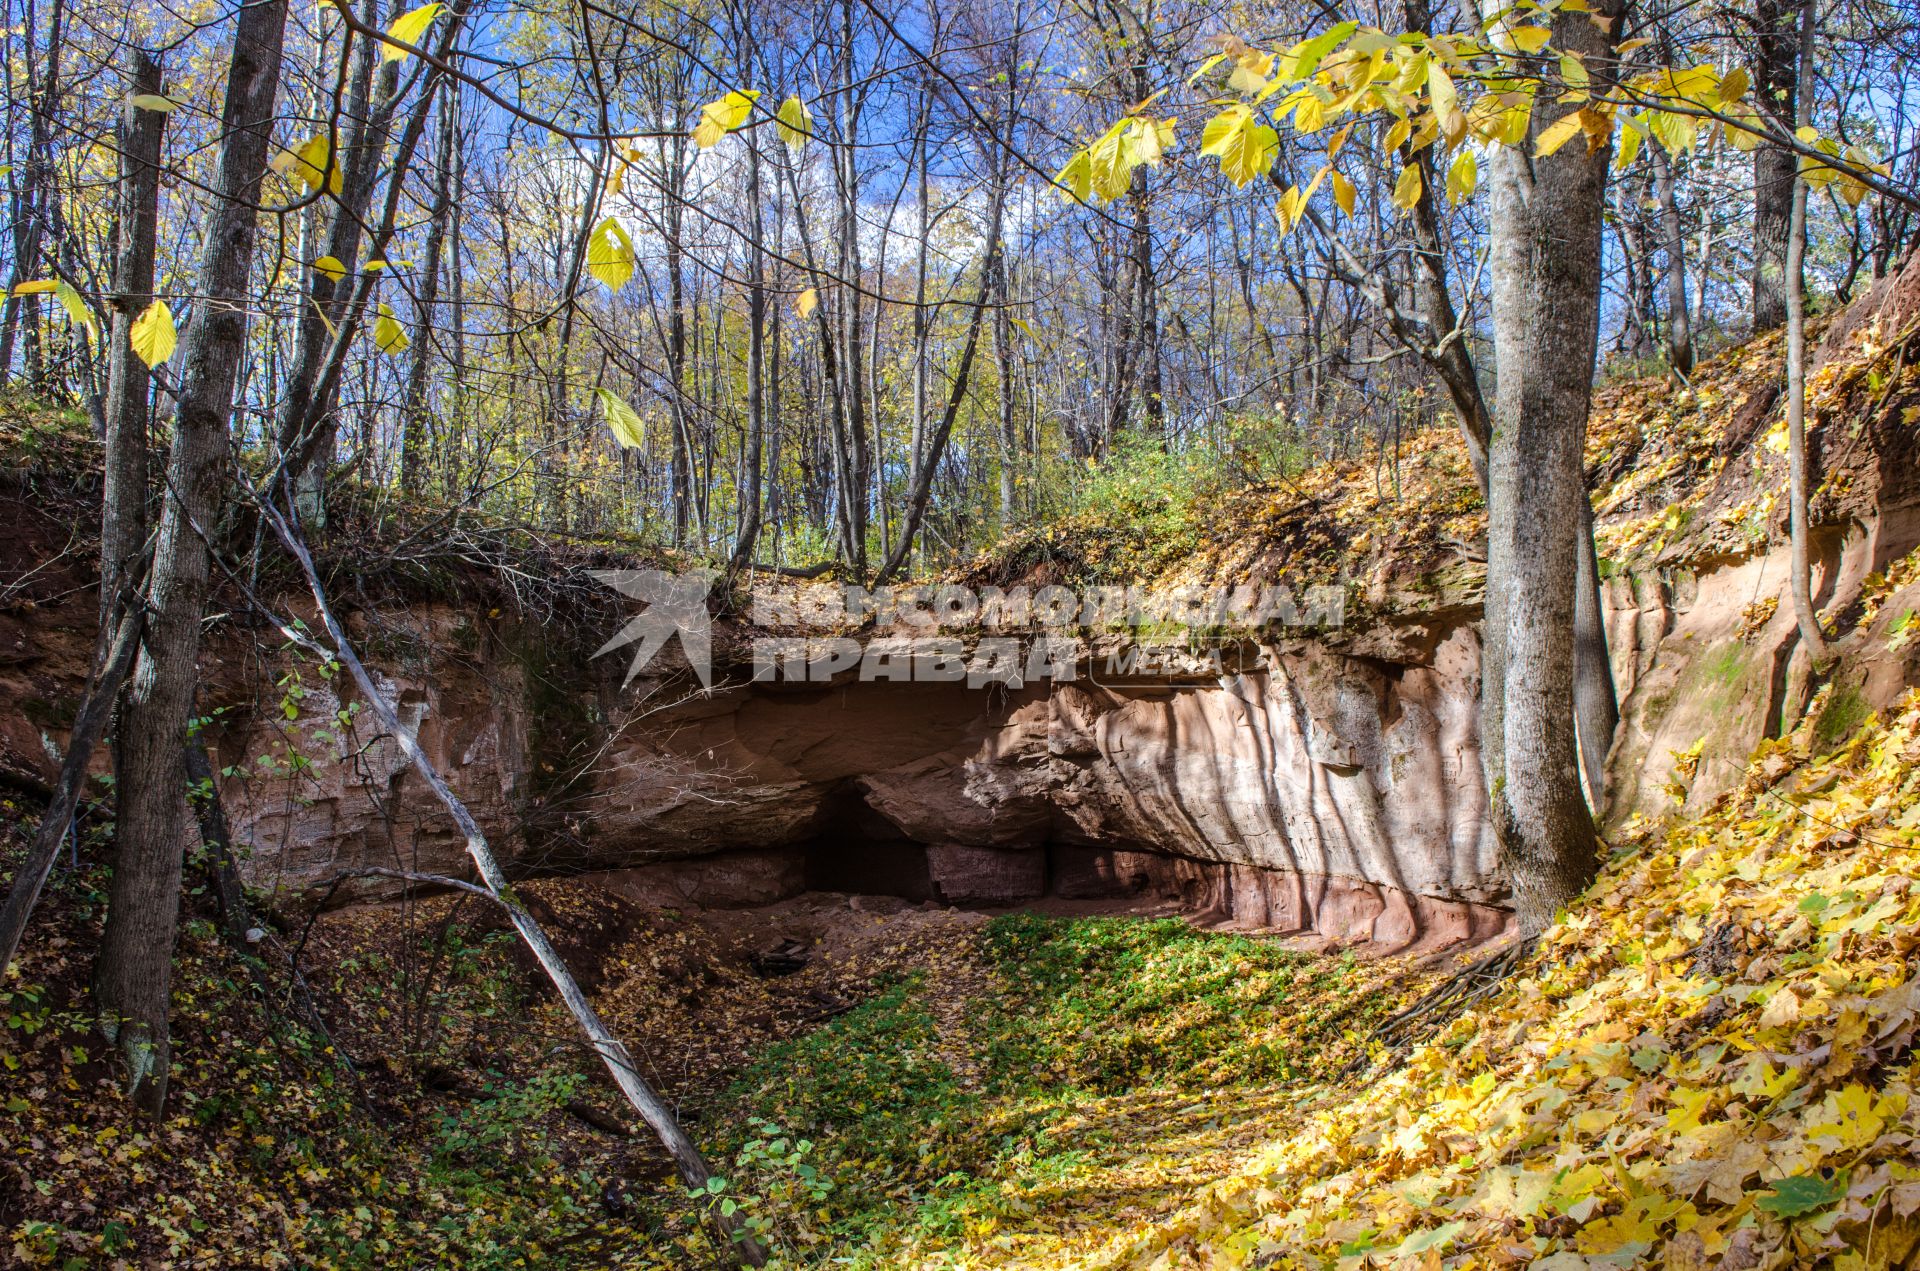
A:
407	29
1804	1193
153	334
610	254
625	423
1305	57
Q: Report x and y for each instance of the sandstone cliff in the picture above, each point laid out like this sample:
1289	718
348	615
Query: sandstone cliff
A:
1326	783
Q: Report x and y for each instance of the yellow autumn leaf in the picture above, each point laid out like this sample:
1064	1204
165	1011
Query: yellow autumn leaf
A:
407	29
1557	134
37	287
1245	147
154	102
1406	190
1343	193
153	334
1529	39
622	420
718	118
610	254
313	165
330	268
387	334
1446	102
807	302
1462	177
794	122
77	309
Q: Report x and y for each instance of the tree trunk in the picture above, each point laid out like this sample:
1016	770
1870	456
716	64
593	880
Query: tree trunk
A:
133	975
299	422
1003	366
123	527
413	411
1546	224
1674	242
1797	476
1636	340
754	459
113	657
1775	82
36	196
937	443
688	1162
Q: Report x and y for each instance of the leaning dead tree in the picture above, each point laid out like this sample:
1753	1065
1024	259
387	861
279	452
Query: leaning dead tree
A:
687	1159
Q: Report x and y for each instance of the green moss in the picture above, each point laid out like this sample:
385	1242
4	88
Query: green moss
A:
1846	710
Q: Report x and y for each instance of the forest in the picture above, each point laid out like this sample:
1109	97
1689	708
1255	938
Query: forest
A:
977	634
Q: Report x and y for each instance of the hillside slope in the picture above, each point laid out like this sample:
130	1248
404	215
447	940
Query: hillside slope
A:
1709	1062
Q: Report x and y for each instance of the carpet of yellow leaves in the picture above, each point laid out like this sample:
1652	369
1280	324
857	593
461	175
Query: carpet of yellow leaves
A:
1708	1062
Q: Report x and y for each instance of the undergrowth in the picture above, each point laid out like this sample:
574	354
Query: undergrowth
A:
1095	1032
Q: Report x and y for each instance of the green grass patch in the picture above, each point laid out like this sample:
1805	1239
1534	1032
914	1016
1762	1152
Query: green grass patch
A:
896	1142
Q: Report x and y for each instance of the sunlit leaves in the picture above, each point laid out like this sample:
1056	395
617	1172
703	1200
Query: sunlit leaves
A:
1462	176
1446	103
808	301
1596	125
77	309
1343	193
69	297
1573	74
622	420
718	118
1106	167
794	123
1304	58
330	268
408	28
388	336
1406	190
1473	88
610	254
153	102
1632	132
1245	146
312	165
153	335
1529	39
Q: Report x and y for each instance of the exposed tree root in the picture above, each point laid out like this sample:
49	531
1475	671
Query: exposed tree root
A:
1438	1007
